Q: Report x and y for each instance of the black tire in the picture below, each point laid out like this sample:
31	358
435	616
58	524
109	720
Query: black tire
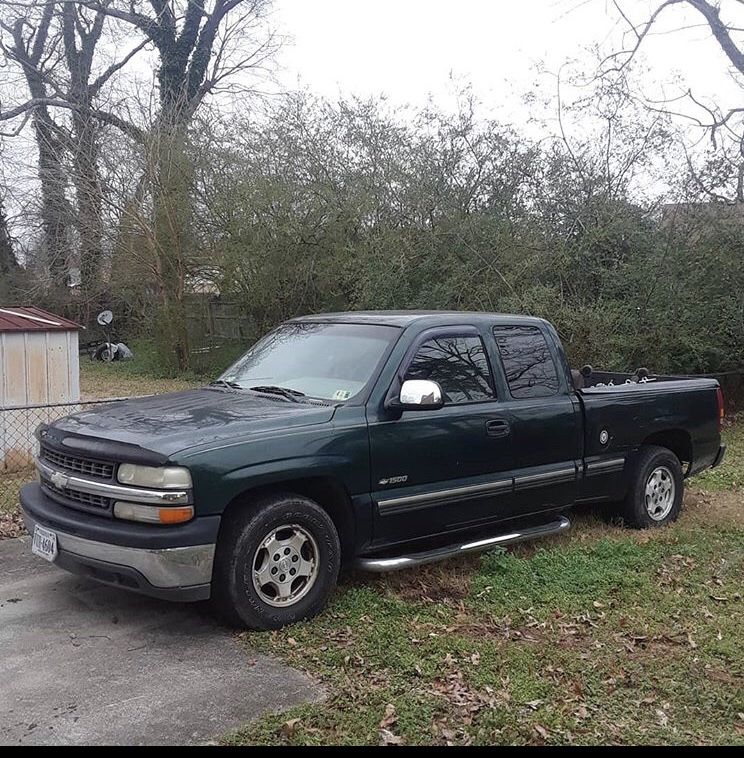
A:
635	512
244	530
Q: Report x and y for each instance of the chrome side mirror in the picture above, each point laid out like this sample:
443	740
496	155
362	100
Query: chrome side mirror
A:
419	395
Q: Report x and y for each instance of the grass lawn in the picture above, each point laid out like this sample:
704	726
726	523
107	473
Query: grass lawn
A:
604	635
102	380
150	373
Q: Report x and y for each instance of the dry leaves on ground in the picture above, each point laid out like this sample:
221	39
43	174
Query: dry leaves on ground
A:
11	525
389	720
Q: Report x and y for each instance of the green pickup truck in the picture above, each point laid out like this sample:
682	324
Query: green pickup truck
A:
376	440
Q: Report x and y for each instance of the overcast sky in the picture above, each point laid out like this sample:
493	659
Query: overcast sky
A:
410	50
407	49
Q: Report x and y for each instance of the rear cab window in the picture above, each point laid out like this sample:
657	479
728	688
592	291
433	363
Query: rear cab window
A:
528	363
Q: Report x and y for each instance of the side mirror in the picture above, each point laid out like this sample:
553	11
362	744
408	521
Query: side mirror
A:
418	395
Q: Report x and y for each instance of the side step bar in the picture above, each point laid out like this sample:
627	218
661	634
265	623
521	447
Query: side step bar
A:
381	565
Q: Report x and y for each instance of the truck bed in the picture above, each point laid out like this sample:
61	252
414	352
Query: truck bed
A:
633	412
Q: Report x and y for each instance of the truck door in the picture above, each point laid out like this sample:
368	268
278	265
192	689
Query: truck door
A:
435	471
542	413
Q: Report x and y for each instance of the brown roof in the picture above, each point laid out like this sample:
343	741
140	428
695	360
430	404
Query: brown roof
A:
31	319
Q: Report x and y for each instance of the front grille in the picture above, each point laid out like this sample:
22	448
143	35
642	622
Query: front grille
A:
86	466
73	497
96	501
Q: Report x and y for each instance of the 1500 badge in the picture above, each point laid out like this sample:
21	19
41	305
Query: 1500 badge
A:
394	480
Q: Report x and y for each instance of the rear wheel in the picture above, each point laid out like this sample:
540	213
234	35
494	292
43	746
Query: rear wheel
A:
277	562
656	490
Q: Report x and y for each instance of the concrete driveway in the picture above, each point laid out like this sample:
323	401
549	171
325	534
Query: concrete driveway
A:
81	663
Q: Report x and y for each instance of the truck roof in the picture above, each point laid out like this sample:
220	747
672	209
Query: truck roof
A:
402	319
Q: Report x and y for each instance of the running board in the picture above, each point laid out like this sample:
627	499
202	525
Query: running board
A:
381	565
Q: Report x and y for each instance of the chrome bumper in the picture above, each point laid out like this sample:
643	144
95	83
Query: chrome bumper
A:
163	569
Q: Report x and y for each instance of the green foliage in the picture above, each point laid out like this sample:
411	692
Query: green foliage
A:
319	207
316	206
149	362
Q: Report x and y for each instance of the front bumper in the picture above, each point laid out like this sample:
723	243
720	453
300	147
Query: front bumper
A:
173	573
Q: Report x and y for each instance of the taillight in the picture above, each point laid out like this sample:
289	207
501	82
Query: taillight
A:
721	408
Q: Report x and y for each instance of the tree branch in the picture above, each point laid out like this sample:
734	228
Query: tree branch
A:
144	23
720	32
96	86
42	33
50	102
641	34
203	48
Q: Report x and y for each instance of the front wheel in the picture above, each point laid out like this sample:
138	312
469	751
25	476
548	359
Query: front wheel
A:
657	486
277	562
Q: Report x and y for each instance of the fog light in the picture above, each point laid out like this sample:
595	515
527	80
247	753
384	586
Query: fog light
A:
152	514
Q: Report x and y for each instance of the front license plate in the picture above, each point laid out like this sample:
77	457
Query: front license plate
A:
44	543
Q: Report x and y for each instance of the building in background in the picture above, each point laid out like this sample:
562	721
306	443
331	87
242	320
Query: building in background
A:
39	368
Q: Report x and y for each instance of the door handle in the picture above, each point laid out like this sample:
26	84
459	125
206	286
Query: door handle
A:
498	427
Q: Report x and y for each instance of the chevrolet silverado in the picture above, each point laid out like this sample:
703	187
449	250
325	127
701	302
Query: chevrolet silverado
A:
379	440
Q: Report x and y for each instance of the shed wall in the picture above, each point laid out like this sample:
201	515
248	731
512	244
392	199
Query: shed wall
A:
36	368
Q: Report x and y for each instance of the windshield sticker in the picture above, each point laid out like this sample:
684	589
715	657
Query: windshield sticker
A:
341	395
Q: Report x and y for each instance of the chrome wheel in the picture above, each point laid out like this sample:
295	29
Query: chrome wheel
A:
285	566
660	492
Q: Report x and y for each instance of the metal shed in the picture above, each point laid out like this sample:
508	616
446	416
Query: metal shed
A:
38	367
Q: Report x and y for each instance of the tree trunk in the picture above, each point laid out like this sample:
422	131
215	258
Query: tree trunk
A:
9	267
29	52
172	226
55	212
89	199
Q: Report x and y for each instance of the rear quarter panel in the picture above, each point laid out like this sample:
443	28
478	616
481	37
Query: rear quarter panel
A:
631	413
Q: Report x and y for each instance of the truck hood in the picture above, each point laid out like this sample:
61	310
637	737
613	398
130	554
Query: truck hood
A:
172	422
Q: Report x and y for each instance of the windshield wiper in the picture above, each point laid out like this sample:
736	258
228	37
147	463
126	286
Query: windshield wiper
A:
225	383
271	389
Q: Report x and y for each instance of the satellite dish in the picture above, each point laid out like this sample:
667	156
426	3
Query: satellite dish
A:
105	318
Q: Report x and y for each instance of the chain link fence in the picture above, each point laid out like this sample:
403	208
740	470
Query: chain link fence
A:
19	447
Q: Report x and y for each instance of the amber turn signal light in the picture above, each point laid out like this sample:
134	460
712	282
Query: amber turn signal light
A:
176	515
152	514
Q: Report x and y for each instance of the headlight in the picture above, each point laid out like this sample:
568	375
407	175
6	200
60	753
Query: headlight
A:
152	514
157	477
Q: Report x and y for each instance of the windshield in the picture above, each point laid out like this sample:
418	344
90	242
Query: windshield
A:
328	361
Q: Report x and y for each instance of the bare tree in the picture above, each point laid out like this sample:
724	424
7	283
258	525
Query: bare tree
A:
29	41
724	127
81	33
200	47
55	49
195	41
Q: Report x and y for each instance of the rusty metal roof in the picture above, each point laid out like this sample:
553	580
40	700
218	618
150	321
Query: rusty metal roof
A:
32	319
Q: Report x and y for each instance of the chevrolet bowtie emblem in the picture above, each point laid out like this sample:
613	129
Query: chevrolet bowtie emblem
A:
59	480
